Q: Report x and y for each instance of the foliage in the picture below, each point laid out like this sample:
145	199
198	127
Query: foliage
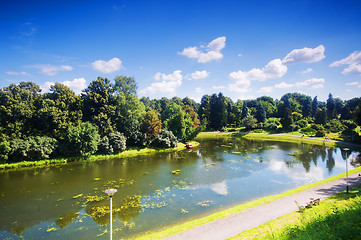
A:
152	125
317	127
165	139
260	113
33	148
249	123
272	124
113	143
320	133
335	126
302	123
4	150
81	140
308	130
287	120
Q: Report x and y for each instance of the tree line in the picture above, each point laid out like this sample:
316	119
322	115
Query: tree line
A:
108	116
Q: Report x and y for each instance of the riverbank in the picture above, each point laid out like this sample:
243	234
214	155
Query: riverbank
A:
337	217
235	210
307	190
131	152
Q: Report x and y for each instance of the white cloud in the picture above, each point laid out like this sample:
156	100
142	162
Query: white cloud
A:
240	55
283	85
353	58
265	90
308	70
17	73
353	61
274	69
351	83
51	70
305	55
210	53
313	83
77	85
110	66
199	75
166	83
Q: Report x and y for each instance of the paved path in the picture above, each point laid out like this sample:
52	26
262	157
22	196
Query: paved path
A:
248	219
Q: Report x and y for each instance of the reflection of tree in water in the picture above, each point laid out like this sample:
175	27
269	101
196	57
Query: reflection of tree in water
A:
330	163
215	149
128	209
309	153
66	219
18	229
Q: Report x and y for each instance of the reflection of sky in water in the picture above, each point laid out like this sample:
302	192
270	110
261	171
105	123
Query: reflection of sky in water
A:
218	175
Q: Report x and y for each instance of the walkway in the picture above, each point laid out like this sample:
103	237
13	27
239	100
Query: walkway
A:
248	219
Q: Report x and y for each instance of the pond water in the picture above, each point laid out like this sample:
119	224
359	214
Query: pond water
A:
68	202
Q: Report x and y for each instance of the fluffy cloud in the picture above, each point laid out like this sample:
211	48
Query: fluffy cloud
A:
199	75
305	55
51	70
353	61
218	87
77	85
283	85
311	83
166	83
210	53
107	67
308	70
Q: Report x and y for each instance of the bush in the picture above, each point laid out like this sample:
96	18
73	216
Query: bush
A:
117	141
302	123
165	139
258	130
308	130
80	140
317	127
4	150
33	148
335	126
349	124
320	133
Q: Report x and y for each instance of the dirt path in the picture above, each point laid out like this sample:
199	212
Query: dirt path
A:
248	219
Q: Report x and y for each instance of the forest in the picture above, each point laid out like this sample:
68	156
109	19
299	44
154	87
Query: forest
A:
108	116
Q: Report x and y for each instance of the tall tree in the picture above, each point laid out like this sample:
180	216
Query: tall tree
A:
99	105
287	119
330	107
307	107
218	112
204	110
314	106
244	110
260	113
151	124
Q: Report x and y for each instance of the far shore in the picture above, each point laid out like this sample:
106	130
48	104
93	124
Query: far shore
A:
131	152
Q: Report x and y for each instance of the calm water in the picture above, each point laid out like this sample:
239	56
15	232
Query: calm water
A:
51	203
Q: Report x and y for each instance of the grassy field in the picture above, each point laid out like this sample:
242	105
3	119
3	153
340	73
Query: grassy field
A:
131	152
337	217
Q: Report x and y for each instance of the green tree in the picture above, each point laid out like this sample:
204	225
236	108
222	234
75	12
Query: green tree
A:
307	107
314	106
18	110
287	120
99	105
218	112
331	107
321	116
81	140
125	85
204	110
244	110
249	122
179	122
260	113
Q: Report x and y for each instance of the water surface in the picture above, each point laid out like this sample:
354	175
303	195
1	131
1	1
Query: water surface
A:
68	202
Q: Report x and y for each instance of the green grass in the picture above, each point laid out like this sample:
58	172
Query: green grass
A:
222	214
337	217
131	152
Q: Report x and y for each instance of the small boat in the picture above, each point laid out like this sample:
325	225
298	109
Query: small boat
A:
189	145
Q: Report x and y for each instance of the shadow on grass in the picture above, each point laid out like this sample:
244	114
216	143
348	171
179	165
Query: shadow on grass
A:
341	223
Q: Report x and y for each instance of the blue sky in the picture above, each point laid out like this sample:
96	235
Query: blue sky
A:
244	49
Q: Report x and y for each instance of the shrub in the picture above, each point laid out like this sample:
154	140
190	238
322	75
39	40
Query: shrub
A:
4	150
302	123
320	133
258	130
272	124
33	148
349	124
317	127
81	140
308	130
165	139
117	141
335	126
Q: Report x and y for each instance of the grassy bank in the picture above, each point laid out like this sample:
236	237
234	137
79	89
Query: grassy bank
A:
131	152
188	225
337	217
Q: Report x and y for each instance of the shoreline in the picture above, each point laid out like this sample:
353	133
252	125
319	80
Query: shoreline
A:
131	152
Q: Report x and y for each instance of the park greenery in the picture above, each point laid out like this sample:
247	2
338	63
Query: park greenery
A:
108	117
